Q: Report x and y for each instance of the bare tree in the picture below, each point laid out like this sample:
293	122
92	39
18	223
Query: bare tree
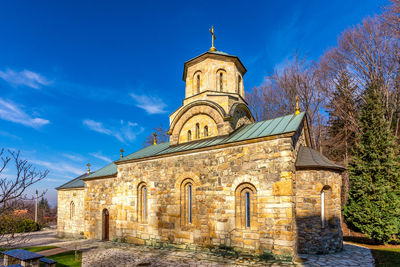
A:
161	136
369	53
265	101
13	192
277	96
391	17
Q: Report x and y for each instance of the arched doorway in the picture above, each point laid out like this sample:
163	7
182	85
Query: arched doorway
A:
106	225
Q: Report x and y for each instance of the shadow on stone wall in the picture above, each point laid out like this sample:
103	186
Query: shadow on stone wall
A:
313	239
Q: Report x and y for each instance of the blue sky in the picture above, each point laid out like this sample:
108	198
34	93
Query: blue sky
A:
81	79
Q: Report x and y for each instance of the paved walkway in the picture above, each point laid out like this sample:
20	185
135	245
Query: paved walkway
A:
351	255
53	251
97	253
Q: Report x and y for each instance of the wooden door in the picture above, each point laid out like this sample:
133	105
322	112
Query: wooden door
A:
106	225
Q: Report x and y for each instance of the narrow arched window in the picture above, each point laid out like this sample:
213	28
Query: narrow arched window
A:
198	83
197	136
323	208
189	135
71	210
221	81
239	84
142	203
246	206
205	131
247	196
324	196
187	201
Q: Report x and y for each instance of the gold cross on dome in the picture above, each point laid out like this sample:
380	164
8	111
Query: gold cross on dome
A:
212	39
155	139
297	111
88	168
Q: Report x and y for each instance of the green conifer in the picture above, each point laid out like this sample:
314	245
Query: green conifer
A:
374	197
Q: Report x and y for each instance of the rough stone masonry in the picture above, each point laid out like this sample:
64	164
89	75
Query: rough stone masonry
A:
223	179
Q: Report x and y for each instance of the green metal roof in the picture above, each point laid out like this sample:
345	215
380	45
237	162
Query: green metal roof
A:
110	169
281	125
309	158
74	183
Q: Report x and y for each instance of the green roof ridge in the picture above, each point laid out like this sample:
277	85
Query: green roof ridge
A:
280	125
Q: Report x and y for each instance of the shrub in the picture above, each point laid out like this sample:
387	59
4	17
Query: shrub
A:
9	224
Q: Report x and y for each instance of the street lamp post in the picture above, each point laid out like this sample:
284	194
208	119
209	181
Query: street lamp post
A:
36	206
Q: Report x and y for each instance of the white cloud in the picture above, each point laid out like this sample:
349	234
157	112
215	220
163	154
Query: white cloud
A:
6	174
7	134
96	126
56	180
124	132
59	166
25	77
151	104
11	112
98	155
73	157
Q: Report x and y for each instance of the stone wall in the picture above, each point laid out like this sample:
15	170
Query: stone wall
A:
216	174
67	225
209	70
313	236
190	125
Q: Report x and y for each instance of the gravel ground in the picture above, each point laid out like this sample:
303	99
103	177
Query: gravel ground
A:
98	253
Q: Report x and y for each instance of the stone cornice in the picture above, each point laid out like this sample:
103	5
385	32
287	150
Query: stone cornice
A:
209	148
100	177
70	189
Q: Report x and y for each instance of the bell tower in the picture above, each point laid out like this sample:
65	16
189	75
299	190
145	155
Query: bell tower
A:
214	103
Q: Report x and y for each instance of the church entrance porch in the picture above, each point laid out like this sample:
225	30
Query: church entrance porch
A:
106	225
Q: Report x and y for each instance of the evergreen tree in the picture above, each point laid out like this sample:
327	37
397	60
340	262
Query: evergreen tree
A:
374	198
43	204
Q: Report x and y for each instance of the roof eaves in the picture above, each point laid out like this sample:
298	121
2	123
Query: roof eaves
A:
308	158
211	53
65	185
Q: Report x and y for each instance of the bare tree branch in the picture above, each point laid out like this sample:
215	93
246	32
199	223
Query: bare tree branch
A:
13	192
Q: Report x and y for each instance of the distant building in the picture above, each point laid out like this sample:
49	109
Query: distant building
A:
21	212
222	179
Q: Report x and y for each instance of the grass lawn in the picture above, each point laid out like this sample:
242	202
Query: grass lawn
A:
384	255
62	259
32	249
66	259
37	249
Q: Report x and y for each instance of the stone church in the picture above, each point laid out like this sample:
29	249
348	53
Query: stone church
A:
222	179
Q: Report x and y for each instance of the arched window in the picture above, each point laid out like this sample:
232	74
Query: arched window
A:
239	84
187	201
197	136
189	135
324	195
198	83
71	210
246	206
221	81
142	203
205	131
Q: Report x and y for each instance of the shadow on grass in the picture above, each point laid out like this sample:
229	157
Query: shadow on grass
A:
386	256
359	239
67	259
